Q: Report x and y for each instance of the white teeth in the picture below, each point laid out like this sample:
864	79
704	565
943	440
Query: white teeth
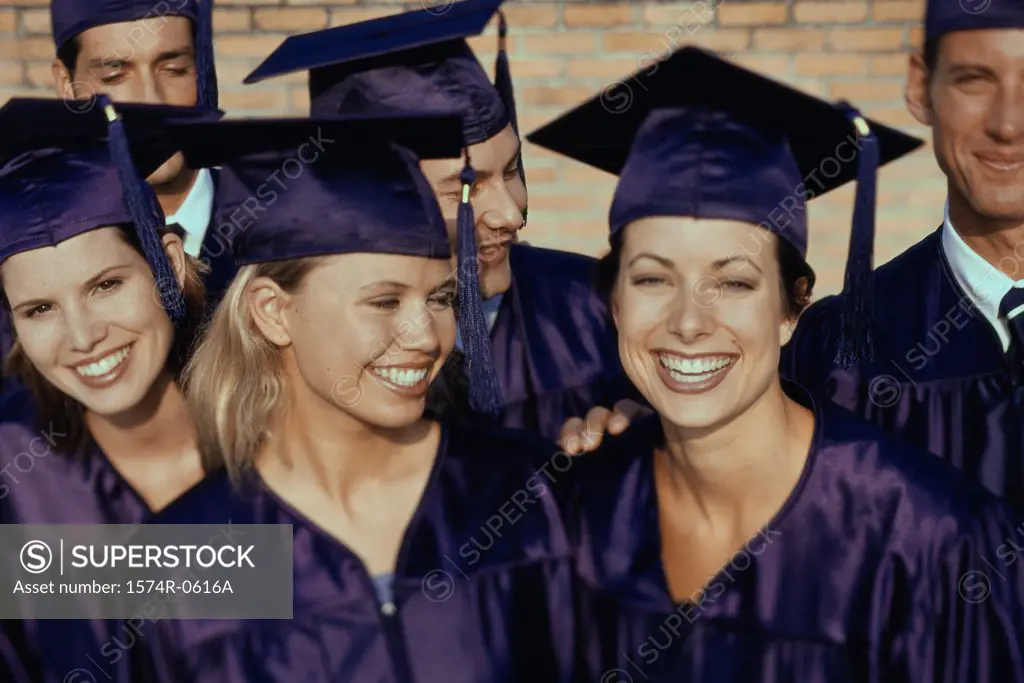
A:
403	377
104	365
694	367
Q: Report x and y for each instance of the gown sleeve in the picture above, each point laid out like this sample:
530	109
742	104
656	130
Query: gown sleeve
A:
970	627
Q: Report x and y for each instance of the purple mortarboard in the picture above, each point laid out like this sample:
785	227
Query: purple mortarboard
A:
946	16
701	137
69	18
417	62
66	172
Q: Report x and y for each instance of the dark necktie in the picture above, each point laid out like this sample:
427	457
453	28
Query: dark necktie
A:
1011	309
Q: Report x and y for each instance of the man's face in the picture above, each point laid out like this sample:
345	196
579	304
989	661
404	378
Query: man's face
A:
151	61
498	200
974	102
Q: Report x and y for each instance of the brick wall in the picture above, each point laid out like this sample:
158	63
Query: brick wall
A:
564	51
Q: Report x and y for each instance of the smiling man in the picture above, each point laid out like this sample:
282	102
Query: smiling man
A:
946	370
552	350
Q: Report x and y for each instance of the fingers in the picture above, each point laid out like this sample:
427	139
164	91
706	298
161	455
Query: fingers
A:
570	437
584	435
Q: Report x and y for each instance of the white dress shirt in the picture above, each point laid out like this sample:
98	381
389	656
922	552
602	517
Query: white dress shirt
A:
194	213
983	283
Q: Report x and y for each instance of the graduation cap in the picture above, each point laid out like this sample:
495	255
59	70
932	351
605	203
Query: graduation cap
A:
946	16
354	186
704	138
69	18
412	62
64	173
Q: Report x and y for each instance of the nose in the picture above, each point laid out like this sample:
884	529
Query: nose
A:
497	209
82	330
419	333
1006	118
692	314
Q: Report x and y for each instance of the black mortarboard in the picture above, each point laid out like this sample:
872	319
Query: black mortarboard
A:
69	18
412	62
701	137
946	16
64	173
329	185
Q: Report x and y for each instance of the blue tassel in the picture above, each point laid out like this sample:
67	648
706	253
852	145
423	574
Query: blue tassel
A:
855	342
146	215
503	84
206	71
484	391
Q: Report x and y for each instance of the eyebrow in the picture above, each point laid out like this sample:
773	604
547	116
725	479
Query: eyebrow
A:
743	260
668	263
385	284
91	282
456	177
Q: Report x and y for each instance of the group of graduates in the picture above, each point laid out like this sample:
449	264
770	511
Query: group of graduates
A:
329	322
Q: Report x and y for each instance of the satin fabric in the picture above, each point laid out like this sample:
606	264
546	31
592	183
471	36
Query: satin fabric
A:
874	570
555	348
507	617
42	485
938	377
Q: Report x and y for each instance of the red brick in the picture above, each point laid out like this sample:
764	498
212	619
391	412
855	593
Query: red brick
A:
576	43
292	19
26	48
866	39
536	68
849	12
232	20
576	16
36	22
233	71
778	66
619	67
319	2
299	101
809	85
555	96
248	2
867	90
889	65
248	46
254	98
831	65
686	15
722	40
558	202
753	14
11	73
533	15
40	74
897	116
8	20
592	177
898	10
789	39
915	37
538	175
344	16
26	3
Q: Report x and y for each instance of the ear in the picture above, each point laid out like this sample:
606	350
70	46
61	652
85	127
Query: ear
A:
267	306
788	327
175	250
62	80
916	94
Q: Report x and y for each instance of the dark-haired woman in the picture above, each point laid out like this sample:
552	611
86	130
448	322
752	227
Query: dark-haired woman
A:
747	531
103	304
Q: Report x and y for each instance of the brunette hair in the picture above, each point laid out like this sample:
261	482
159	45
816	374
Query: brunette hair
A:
234	382
796	279
57	408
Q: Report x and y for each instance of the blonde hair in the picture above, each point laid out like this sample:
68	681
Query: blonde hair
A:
57	408
234	382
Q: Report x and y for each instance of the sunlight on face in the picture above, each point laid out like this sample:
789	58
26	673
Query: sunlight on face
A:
369	332
700	315
88	316
498	199
151	61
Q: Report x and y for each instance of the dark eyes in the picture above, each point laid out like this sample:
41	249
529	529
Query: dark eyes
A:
651	281
105	287
437	302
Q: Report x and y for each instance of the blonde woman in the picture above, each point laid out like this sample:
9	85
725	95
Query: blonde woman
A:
423	551
104	305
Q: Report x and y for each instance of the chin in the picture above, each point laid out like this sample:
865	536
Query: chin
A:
168	172
394	415
495	282
698	413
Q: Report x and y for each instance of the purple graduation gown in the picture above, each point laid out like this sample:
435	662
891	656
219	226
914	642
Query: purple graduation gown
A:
555	348
509	617
938	378
882	567
39	485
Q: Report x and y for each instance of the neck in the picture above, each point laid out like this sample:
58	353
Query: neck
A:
335	452
995	240
171	195
721	473
161	422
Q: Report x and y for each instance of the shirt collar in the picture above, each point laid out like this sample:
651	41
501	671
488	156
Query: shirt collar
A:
983	283
194	213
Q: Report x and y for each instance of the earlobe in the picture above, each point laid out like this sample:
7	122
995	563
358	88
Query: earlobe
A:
175	250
